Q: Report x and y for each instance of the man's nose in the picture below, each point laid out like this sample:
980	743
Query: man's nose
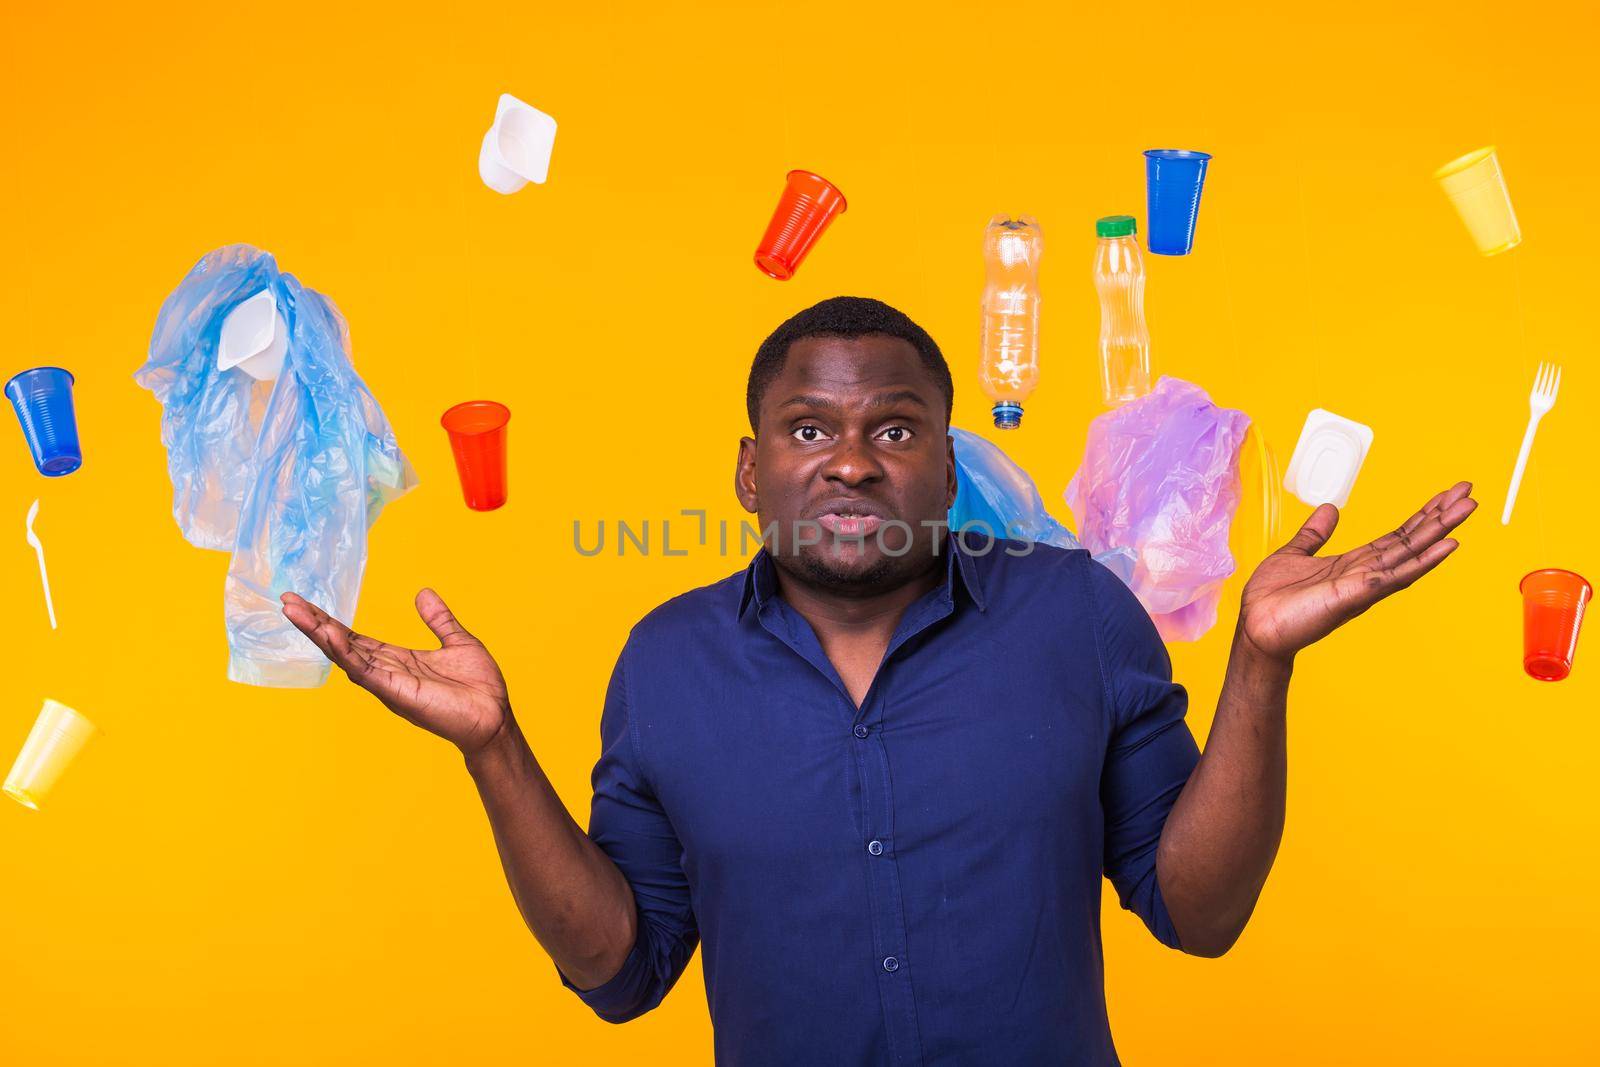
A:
852	462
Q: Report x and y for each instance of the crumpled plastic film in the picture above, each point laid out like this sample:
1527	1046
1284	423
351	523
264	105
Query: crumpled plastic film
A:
287	475
1160	477
996	494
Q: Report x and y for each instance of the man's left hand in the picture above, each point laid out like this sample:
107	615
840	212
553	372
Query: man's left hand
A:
1296	597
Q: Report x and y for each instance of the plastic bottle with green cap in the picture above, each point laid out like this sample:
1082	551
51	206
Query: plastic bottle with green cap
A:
1124	338
1008	366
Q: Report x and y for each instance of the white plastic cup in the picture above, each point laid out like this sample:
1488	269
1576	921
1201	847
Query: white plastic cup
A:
254	338
58	735
516	150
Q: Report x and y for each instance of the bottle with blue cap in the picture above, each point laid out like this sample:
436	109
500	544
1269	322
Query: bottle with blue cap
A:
1009	365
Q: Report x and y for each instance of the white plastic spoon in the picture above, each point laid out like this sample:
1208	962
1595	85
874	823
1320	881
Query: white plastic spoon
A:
44	577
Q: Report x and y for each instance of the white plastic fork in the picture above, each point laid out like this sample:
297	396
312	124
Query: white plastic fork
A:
1545	386
44	577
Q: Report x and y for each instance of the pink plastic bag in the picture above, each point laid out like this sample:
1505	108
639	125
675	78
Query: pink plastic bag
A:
1160	477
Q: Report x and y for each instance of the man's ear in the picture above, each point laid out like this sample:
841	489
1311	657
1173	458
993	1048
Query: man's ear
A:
744	476
950	471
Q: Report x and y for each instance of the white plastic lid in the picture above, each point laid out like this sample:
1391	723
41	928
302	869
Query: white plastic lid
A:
254	338
1327	459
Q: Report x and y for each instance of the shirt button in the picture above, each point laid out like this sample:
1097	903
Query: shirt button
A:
861	729
875	847
891	964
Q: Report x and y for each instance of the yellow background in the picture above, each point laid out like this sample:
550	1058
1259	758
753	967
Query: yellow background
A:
252	876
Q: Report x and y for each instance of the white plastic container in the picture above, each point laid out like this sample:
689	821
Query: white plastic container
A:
1327	459
516	150
254	338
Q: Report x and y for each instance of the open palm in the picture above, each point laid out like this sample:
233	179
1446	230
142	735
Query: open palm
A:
455	690
1296	597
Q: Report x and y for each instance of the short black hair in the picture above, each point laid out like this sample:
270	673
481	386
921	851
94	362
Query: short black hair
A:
848	317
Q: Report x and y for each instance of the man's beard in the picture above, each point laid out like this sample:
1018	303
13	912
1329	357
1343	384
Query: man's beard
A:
848	578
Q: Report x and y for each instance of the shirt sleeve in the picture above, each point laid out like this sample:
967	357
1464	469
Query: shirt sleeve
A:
1150	753
628	823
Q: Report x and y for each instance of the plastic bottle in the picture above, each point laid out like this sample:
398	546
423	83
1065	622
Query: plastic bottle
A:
1124	338
1009	367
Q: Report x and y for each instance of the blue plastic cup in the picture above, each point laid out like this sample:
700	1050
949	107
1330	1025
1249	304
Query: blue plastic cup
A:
1173	180
43	399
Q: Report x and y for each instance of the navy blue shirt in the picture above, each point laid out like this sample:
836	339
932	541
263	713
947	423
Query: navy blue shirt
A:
916	881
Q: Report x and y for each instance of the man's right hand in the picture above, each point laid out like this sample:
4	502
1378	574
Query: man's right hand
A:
572	895
455	690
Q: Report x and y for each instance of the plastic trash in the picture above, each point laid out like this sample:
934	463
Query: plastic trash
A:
1174	179
1327	458
1124	338
44	575
1477	189
995	496
286	475
42	398
1546	386
58	735
254	338
1160	477
477	432
517	148
808	204
1257	525
1553	602
1008	367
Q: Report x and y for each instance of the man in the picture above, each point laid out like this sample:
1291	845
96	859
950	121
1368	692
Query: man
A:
880	772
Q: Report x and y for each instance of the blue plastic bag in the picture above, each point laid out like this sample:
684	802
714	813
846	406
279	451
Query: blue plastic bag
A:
995	495
999	497
287	474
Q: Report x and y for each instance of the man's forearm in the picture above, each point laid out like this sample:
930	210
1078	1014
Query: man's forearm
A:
572	896
1222	835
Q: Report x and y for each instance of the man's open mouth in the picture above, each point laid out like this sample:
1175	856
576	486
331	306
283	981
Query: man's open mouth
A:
849	524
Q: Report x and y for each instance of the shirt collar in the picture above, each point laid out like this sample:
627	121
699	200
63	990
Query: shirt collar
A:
962	569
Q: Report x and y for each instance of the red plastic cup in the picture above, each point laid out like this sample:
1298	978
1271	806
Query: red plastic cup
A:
808	204
1552	613
478	438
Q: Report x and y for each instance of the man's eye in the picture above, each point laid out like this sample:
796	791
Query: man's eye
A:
807	434
896	434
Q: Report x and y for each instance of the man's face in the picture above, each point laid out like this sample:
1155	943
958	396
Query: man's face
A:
853	454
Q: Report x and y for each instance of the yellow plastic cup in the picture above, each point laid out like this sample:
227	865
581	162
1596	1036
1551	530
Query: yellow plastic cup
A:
1477	188
59	734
